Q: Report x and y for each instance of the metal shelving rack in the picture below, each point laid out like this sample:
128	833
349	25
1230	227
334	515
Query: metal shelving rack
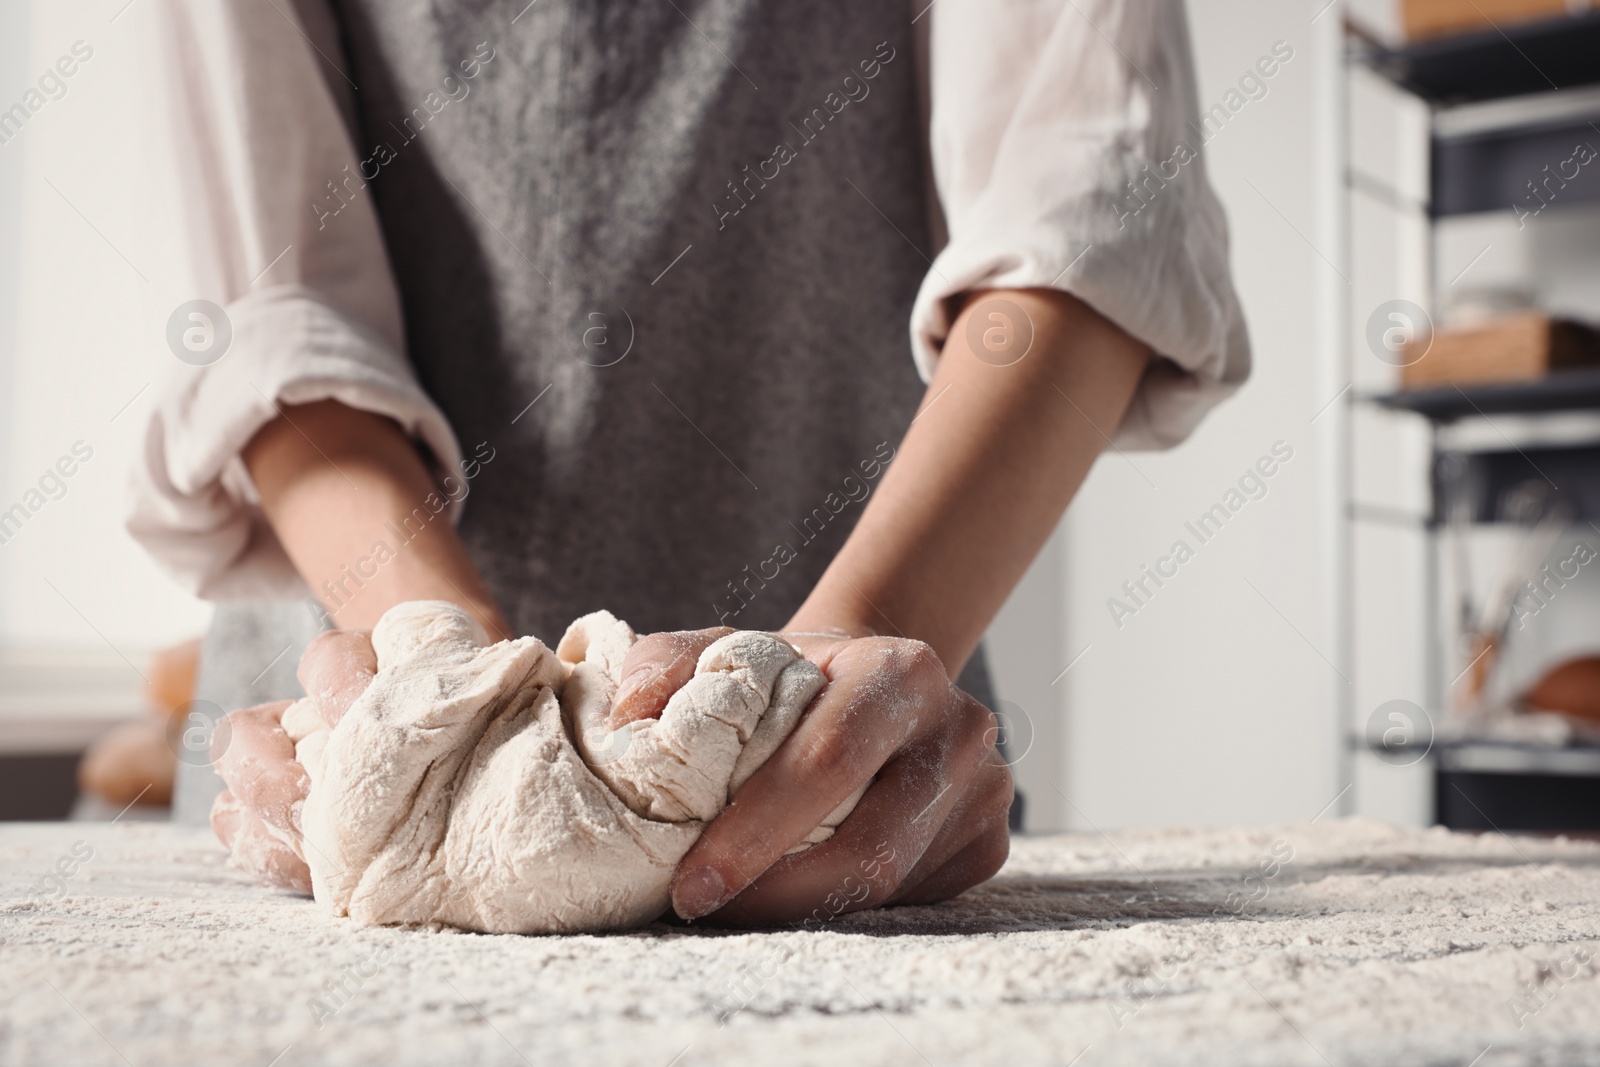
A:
1537	91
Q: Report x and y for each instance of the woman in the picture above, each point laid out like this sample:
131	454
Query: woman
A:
638	276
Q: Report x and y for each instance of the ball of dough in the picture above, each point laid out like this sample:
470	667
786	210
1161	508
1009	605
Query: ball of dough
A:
479	786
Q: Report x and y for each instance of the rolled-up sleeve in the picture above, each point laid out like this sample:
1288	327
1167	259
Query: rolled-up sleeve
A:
1065	153
254	159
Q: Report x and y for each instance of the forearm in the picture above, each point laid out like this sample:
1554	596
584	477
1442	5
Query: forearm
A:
981	479
348	496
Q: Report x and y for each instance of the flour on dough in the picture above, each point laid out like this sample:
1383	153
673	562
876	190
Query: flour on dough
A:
478	786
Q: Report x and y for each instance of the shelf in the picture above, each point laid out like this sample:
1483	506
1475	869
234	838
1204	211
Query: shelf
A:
1478	801
1483	756
1486	757
1495	170
1532	57
1496	473
1497	480
1488	785
1576	390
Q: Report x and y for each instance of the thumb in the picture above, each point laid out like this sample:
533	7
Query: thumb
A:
657	666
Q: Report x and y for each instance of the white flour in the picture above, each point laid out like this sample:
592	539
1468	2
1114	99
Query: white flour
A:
1371	945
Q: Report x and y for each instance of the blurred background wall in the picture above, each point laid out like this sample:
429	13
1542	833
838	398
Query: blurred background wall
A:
80	353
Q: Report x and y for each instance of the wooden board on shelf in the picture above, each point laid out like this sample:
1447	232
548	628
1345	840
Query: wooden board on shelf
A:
1513	348
1424	19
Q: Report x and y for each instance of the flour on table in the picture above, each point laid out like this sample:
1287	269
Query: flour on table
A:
479	786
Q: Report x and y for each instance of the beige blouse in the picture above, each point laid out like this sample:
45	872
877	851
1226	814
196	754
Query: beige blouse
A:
1055	131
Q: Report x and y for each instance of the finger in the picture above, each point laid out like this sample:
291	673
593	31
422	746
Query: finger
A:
225	817
657	666
336	668
976	863
921	800
983	811
844	739
259	766
254	848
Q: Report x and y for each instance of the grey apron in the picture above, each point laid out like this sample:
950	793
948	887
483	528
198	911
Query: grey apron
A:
656	264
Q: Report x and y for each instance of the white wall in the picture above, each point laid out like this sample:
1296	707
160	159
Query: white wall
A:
14	20
81	341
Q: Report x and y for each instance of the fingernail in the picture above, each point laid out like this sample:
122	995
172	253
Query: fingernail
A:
700	892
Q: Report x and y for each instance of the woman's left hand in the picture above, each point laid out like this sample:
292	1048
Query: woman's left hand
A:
258	815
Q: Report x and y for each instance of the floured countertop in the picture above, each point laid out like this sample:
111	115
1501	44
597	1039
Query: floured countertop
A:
1353	942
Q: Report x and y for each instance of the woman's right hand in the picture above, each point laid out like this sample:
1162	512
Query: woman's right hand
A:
257	817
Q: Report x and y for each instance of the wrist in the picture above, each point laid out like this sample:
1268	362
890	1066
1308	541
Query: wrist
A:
431	566
823	616
847	609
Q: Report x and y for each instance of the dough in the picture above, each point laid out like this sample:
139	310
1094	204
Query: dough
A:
478	786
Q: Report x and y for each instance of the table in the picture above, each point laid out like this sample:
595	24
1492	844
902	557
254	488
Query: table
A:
1339	941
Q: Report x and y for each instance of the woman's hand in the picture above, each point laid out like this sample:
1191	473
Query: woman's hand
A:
932	824
258	815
